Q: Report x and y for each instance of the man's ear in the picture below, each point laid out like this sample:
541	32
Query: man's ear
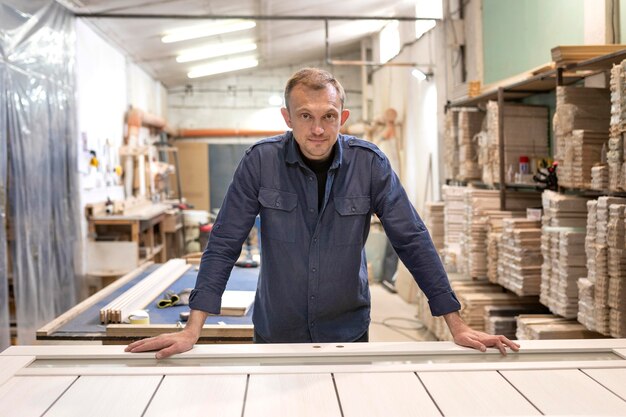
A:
285	112
345	113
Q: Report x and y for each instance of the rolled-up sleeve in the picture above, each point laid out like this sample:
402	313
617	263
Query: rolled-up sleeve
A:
232	226
410	239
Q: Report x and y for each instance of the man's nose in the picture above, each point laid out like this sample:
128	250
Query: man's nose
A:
318	129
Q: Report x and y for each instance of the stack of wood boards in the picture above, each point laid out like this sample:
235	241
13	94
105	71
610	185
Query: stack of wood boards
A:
568	54
474	239
586	303
144	292
581	126
519	264
451	148
583	151
470	123
616	299
616	155
454	218
433	219
563	249
600	177
436	325
599	275
547	326
503	319
473	303
586	298
525	134
494	232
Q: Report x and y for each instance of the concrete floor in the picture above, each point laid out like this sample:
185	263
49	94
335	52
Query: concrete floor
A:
393	319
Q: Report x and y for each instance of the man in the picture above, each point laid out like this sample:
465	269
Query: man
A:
315	191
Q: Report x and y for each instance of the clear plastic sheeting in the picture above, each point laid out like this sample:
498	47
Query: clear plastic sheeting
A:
38	158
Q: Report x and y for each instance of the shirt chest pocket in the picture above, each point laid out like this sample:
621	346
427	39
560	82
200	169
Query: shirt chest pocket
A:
352	212
278	214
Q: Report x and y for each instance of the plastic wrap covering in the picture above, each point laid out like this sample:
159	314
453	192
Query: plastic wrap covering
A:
37	162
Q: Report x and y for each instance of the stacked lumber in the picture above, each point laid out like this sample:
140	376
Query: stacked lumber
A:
470	123
433	219
473	305
600	177
436	325
582	151
616	294
600	276
478	205
586	303
547	326
453	221
563	250
494	233
503	319
144	292
450	145
520	260
525	134
616	155
581	125
568	54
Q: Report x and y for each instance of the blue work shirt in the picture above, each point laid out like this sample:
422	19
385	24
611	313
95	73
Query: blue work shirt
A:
313	283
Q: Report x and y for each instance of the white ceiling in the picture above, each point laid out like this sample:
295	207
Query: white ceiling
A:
280	42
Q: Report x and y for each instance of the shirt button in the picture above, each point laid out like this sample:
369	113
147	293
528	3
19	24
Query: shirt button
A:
312	324
311	210
314	269
314	240
353	209
277	204
310	178
312	297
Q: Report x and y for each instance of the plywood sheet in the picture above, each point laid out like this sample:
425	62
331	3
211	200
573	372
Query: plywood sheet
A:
305	395
612	379
566	391
383	394
197	395
478	393
31	395
106	396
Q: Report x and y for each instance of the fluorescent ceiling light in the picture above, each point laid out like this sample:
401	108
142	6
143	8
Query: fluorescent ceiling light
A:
215	50
212	29
223	66
419	74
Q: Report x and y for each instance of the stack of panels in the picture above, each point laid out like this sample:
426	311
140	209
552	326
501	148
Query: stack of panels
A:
582	151
494	233
586	303
433	219
581	125
503	319
615	154
590	240
451	148
470	123
600	177
519	265
601	276
525	134
474	240
473	305
616	293
546	326
453	225
563	249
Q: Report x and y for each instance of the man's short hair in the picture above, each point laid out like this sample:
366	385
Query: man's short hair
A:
316	79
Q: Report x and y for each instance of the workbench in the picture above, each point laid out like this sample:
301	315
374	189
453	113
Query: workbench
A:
82	323
560	377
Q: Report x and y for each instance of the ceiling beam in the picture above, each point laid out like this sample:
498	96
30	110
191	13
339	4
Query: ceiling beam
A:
249	17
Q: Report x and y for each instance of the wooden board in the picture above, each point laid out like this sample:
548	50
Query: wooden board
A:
565	391
482	393
199	395
10	365
613	379
32	395
106	396
305	395
383	394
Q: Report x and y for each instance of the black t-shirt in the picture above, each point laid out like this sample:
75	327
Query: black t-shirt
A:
320	169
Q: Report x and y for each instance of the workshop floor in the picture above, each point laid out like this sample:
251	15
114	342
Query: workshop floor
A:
393	319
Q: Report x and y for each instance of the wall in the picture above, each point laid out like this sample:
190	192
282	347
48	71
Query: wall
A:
518	35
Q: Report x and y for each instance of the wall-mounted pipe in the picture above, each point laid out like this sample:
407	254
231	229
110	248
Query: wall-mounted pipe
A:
226	133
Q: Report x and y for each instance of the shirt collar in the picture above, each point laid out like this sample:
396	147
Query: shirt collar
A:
292	156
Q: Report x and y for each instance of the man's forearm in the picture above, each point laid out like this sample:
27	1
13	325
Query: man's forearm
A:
196	322
455	322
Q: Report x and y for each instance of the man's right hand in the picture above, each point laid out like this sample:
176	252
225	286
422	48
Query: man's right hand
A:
169	344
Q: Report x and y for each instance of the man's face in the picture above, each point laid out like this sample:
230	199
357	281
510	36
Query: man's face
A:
315	117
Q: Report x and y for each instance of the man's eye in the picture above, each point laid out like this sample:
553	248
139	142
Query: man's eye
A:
306	116
330	117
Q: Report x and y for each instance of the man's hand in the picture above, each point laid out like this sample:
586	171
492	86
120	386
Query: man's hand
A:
169	344
466	336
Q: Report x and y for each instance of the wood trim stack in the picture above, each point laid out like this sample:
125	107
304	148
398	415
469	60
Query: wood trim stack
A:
141	294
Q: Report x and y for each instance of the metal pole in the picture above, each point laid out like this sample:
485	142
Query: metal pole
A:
105	15
501	147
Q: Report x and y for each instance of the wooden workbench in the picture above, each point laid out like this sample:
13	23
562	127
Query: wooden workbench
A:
82	323
565	377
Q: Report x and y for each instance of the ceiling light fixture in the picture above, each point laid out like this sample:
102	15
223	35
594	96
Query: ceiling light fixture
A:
421	75
212	29
223	66
215	50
